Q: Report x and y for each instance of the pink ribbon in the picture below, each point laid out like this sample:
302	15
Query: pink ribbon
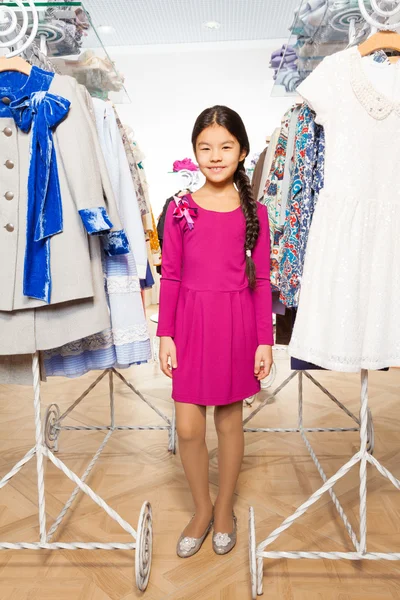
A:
184	210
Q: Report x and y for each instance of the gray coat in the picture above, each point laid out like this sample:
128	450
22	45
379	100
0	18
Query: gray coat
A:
78	303
83	178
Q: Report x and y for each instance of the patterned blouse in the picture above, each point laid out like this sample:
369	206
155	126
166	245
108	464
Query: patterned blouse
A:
307	181
272	196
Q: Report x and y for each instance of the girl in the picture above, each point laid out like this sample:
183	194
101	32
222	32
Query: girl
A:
215	320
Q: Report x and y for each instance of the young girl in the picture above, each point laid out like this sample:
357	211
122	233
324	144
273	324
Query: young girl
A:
215	320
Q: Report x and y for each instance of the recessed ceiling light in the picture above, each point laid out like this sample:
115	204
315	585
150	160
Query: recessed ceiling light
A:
212	25
106	29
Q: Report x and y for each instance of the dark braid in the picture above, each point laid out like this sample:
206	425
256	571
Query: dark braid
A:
228	118
249	208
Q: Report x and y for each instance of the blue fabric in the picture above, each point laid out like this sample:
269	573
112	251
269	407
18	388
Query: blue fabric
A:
147	283
33	108
120	357
95	220
115	243
42	112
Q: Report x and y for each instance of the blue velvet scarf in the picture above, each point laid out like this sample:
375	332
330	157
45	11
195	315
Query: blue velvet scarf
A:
41	112
34	109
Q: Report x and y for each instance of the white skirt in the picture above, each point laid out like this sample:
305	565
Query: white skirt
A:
348	318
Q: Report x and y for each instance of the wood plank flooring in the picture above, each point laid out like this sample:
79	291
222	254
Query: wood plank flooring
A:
277	476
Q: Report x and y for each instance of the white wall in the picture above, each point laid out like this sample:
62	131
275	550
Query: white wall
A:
170	85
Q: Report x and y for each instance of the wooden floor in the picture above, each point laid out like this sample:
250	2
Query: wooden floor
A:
277	476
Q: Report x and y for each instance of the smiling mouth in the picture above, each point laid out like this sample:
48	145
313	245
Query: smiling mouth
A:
216	169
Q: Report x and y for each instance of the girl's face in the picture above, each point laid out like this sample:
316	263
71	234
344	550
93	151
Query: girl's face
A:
218	154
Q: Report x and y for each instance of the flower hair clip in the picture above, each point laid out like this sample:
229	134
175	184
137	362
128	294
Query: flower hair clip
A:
184	210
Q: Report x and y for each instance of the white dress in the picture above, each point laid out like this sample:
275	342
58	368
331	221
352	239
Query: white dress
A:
348	318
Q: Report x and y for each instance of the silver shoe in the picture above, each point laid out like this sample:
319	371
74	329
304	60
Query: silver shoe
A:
187	546
224	542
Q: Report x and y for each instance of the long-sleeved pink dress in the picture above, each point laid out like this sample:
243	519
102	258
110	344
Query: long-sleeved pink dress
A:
207	306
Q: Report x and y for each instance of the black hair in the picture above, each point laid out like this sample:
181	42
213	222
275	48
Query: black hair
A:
228	118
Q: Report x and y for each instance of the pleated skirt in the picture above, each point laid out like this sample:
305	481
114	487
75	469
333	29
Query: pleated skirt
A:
216	341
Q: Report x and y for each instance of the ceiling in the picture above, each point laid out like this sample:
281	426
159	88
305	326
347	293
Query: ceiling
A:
144	22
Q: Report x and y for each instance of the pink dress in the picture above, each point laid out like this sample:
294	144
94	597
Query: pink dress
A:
206	304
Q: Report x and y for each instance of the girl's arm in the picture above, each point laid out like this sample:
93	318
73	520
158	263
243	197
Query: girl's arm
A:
171	269
262	294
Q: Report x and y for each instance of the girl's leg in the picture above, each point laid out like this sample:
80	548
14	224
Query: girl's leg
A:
191	430
229	425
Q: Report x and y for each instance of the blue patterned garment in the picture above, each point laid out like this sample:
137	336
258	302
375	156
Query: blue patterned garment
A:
272	196
313	183
307	176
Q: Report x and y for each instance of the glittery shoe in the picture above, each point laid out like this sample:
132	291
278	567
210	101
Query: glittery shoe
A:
224	542
187	546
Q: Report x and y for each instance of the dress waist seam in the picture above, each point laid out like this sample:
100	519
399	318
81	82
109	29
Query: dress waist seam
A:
219	291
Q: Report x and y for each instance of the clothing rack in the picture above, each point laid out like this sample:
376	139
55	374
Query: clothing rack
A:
364	456
142	538
53	417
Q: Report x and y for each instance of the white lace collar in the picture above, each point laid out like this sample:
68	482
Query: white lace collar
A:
375	103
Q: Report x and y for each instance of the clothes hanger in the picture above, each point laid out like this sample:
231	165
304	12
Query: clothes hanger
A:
15	64
382	40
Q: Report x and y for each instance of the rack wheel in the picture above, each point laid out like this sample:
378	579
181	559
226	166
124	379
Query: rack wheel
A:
144	547
252	553
51	434
371	433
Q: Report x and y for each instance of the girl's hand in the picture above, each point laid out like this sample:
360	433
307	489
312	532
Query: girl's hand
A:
167	351
263	362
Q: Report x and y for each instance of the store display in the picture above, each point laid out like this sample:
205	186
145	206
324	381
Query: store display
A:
75	273
82	250
71	284
56	174
302	162
346	319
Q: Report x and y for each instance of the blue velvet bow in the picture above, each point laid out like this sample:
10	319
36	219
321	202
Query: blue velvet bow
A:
41	111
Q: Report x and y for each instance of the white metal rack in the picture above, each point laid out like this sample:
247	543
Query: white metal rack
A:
142	538
53	418
257	553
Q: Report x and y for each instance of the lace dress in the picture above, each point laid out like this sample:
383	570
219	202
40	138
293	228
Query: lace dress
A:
348	317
